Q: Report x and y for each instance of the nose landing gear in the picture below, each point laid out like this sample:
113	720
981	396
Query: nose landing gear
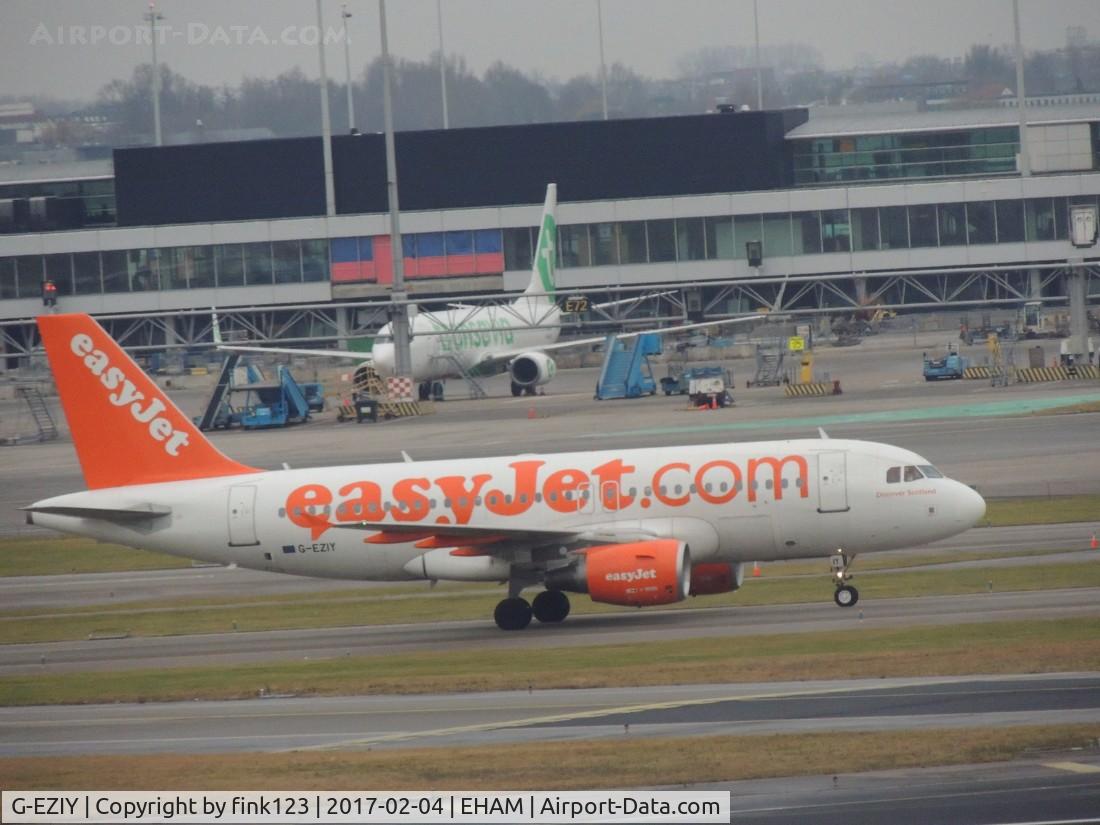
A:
846	595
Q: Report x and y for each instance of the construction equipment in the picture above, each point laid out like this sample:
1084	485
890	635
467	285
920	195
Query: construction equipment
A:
626	371
1035	322
980	334
951	365
769	365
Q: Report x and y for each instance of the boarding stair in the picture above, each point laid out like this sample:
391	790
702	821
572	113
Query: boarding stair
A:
215	413
626	371
472	384
769	366
40	413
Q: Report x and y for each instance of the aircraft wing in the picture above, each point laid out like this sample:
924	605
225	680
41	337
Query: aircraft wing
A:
330	353
458	535
508	355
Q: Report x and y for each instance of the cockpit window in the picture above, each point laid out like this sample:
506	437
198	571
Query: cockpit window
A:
930	471
893	475
912	473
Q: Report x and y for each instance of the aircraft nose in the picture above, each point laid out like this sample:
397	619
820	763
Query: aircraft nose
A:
971	505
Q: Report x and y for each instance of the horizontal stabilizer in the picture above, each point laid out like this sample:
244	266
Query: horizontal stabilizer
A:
139	512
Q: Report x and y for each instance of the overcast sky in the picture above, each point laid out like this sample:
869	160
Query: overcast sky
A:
221	41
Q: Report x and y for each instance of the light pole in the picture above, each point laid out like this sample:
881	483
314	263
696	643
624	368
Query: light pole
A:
326	121
154	17
1021	97
402	357
759	77
345	14
603	65
442	62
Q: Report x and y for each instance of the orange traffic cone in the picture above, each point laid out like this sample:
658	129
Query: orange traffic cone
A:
531	413
756	569
1093	543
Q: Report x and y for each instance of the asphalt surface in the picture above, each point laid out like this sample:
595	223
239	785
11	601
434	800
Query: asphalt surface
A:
555	715
225	649
1053	787
215	582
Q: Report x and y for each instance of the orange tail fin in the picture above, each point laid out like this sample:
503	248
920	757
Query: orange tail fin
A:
125	429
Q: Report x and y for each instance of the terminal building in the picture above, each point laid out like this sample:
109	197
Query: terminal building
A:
791	210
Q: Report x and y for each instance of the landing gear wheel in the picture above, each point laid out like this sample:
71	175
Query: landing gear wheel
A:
550	606
424	391
846	596
532	390
512	614
437	391
517	389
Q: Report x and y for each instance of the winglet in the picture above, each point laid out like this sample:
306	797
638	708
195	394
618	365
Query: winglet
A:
125	429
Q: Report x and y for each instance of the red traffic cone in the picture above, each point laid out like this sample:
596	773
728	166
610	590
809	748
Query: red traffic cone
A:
532	413
756	569
1093	543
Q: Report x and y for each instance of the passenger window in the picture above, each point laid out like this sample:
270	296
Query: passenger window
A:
930	471
893	475
912	473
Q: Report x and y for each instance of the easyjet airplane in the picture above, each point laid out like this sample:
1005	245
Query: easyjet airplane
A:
628	527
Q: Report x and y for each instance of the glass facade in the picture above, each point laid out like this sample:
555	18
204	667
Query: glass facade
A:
166	268
803	233
57	205
911	155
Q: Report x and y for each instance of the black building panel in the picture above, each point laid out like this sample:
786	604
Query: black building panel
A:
209	182
458	168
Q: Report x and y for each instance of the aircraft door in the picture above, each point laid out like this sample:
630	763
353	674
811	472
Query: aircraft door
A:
610	497
832	483
242	516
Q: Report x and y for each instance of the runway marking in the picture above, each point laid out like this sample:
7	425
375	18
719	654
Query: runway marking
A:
591	714
1073	767
111	720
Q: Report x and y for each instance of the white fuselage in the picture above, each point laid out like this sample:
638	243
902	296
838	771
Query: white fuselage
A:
732	502
455	341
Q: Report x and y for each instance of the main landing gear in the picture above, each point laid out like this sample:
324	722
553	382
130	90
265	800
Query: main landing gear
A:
515	613
520	389
846	595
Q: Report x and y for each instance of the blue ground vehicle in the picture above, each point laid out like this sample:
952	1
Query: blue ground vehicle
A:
951	365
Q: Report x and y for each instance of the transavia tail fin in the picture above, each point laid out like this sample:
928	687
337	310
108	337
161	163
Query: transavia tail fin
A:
546	252
125	429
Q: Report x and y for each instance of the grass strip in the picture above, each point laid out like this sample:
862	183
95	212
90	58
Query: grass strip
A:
1011	512
50	557
864	652
1083	407
622	763
462	605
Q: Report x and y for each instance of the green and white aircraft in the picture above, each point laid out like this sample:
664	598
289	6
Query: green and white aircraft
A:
466	340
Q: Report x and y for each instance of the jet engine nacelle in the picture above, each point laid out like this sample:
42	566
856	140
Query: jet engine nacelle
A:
636	575
716	577
532	369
